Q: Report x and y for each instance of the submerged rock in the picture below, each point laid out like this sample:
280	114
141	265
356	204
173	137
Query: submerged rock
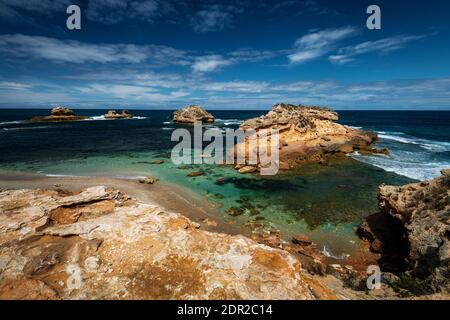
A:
196	174
148	180
412	230
112	114
115	247
307	134
193	114
58	114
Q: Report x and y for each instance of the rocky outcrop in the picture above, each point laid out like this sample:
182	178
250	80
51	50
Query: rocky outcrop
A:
412	230
112	114
192	114
102	244
307	134
59	114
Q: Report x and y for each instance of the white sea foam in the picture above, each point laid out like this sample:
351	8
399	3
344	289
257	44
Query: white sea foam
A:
5	123
431	145
26	128
101	118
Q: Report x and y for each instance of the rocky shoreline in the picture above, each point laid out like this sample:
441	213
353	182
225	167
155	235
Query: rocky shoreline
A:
411	233
101	244
50	237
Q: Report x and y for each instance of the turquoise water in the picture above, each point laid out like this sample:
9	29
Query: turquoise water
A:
325	202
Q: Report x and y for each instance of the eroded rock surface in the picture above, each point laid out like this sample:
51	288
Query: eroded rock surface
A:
59	114
307	134
193	114
101	244
412	229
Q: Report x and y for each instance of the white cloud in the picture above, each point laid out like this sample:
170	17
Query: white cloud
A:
7	85
20	46
319	43
210	63
382	46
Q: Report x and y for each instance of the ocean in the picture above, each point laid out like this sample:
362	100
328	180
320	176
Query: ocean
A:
325	202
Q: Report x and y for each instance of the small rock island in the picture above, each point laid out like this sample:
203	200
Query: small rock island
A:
112	114
58	114
193	114
308	134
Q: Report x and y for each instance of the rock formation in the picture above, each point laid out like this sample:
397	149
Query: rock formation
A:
192	114
307	134
112	114
412	230
102	244
59	114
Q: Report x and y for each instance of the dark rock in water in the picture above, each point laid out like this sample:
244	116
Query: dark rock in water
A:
196	174
192	114
254	212
219	196
220	181
157	162
234	212
412	230
184	167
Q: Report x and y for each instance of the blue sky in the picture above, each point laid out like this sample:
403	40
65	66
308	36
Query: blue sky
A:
240	54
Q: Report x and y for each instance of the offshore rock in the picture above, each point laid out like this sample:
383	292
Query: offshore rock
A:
112	114
193	114
307	135
58	114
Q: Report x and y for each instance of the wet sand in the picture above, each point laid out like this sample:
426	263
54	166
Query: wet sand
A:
169	197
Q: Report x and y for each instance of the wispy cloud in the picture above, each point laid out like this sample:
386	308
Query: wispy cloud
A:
210	63
215	17
20	46
319	43
382	46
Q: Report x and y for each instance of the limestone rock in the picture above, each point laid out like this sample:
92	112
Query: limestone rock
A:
306	134
58	114
248	169
412	229
193	114
131	250
112	114
148	180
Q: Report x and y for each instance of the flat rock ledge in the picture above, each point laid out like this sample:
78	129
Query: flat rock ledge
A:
193	114
307	135
101	244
